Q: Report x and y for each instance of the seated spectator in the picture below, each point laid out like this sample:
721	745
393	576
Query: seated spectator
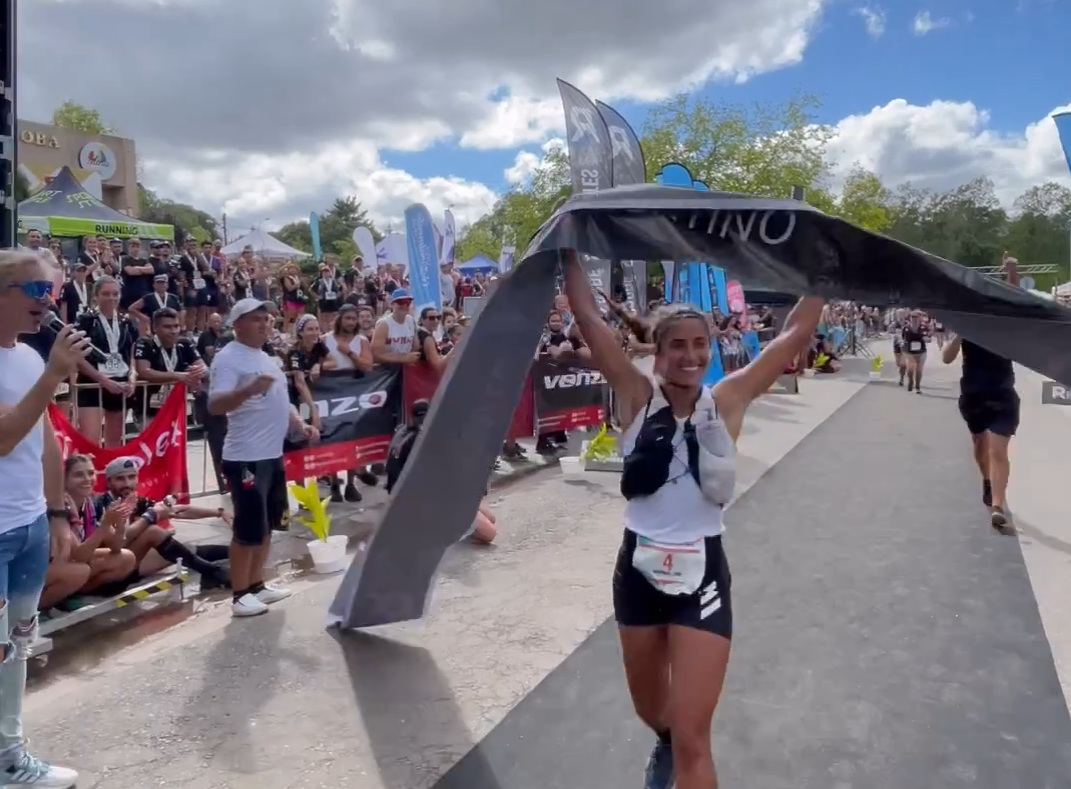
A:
484	528
155	547
95	561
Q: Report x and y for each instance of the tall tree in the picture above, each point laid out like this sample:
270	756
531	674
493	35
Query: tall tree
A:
72	115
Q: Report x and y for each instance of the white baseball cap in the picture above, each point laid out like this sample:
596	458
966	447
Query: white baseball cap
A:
246	306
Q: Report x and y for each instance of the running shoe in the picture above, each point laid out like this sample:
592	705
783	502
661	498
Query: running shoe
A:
1000	518
30	772
987	493
272	594
660	773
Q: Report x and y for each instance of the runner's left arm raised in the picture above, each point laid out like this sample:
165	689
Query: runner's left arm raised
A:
734	393
951	350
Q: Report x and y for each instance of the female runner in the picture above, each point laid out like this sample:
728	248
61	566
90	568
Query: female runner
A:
672	583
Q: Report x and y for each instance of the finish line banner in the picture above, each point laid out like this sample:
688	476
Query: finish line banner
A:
567	396
357	419
160	448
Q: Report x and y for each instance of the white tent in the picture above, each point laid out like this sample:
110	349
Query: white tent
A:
265	245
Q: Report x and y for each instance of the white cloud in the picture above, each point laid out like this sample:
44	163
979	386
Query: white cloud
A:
874	19
527	163
256	187
925	23
279	93
945	144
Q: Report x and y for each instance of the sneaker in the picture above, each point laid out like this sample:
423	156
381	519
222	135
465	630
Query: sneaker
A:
336	494
1000	518
32	773
351	494
659	773
248	605
272	594
987	493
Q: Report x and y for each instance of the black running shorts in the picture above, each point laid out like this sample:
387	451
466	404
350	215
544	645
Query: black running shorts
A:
258	493
992	412
638	603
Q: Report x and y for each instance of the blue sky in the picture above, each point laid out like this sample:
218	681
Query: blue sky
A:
1007	58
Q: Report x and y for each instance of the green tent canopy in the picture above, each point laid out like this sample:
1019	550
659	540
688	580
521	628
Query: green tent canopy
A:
64	209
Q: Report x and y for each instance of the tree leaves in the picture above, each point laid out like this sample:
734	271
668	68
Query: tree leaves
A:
72	115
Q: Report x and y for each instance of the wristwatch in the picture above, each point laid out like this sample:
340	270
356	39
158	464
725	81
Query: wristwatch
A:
64	513
150	517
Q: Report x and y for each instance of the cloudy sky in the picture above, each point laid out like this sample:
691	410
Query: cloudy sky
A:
267	109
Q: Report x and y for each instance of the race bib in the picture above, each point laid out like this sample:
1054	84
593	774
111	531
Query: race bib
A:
63	388
114	366
671	568
914	346
198	283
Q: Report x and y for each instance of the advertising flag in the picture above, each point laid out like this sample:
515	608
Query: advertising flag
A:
366	245
424	285
314	231
627	156
1063	128
590	156
505	257
449	239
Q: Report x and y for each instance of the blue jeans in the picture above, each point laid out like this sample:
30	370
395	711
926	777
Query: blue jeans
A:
23	564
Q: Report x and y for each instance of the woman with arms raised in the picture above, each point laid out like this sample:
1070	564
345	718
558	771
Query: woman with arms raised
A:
672	596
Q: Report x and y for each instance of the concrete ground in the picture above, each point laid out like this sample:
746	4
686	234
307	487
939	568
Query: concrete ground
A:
886	636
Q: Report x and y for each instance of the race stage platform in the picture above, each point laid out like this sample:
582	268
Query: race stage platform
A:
886	636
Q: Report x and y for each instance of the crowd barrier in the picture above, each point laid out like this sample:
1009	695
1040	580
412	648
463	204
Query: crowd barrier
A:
357	414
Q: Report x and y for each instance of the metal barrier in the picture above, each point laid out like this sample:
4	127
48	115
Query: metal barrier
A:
137	410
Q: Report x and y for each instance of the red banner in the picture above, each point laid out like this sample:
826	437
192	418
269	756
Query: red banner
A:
419	382
161	449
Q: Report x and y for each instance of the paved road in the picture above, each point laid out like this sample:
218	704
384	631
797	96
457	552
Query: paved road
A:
884	640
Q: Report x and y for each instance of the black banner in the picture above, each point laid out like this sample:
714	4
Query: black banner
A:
567	396
358	414
791	247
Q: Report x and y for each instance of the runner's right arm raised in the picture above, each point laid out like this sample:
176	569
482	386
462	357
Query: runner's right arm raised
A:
630	385
951	350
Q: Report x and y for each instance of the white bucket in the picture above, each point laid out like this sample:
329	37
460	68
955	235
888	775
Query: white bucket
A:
572	468
875	375
329	556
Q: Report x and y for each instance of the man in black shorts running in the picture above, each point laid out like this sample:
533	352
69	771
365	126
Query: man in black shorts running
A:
989	405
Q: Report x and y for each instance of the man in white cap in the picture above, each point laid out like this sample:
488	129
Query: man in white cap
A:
249	387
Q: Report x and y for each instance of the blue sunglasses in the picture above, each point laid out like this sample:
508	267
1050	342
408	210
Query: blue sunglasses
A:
35	289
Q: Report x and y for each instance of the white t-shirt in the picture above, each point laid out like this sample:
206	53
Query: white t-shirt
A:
342	361
23	501
257	428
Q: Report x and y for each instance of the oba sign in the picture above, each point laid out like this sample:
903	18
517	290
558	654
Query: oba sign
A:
38	138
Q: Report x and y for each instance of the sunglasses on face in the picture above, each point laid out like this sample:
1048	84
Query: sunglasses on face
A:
432	317
35	289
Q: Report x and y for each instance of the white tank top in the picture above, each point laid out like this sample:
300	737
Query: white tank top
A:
400	335
342	361
677	512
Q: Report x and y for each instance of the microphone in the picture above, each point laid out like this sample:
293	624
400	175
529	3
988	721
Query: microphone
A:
53	322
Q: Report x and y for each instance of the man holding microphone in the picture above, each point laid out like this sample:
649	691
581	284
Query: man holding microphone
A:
249	386
33	518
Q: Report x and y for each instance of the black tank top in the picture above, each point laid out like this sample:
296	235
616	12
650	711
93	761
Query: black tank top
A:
985	372
914	341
